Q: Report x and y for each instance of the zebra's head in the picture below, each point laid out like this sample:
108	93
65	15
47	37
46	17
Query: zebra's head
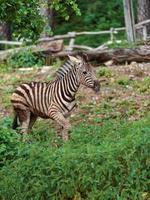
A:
84	72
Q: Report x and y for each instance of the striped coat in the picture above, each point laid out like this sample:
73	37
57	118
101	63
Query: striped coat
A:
54	99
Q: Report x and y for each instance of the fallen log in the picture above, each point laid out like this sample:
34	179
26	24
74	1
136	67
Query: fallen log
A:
84	47
55	49
52	46
118	55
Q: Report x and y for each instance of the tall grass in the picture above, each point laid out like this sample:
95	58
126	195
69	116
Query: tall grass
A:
104	162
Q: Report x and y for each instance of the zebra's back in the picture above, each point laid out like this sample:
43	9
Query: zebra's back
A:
34	96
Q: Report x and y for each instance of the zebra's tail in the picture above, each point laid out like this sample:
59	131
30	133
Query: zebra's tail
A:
15	123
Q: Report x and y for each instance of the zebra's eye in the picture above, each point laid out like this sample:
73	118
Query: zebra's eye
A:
84	72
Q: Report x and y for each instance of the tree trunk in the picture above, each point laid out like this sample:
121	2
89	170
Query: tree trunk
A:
6	31
50	14
129	20
143	13
47	14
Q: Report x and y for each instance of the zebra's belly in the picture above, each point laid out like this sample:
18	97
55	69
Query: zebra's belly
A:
40	113
70	107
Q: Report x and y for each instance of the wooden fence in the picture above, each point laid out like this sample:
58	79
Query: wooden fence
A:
72	36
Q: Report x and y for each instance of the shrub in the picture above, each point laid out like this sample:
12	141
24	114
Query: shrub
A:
25	58
142	86
103	71
9	142
100	162
124	81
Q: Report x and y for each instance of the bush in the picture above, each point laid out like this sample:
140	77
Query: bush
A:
9	142
104	71
142	86
124	81
100	162
25	58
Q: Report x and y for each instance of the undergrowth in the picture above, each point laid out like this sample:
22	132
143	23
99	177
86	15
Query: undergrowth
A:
22	59
100	162
107	157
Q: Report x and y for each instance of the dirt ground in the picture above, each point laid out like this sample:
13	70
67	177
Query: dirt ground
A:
125	91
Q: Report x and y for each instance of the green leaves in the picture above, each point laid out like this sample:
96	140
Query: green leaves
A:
25	58
63	7
25	15
99	162
8	142
96	16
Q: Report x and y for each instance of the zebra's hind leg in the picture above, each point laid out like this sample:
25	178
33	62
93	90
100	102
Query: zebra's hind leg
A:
24	119
33	119
62	121
15	123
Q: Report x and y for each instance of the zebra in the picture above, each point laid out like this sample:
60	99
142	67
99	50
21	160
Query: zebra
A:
55	99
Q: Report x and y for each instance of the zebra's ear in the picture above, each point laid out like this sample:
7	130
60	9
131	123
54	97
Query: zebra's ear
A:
73	59
85	57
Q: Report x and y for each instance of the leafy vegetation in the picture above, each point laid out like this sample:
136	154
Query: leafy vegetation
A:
104	71
124	80
64	8
26	22
25	59
24	16
107	156
100	162
143	85
96	15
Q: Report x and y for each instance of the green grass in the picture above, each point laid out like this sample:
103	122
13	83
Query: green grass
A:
104	71
107	157
123	81
143	86
107	161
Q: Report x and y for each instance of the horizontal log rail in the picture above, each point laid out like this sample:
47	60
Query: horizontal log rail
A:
140	24
71	35
11	42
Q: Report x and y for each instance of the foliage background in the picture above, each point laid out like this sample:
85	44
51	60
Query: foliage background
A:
25	20
95	16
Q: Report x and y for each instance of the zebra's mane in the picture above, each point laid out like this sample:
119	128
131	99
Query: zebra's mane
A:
64	69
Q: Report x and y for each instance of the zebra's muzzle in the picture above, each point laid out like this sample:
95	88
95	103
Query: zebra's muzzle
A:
96	87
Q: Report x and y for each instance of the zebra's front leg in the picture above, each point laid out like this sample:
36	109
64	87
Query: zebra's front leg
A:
62	121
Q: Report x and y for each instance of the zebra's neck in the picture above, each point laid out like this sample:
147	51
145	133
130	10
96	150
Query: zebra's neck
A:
70	83
66	67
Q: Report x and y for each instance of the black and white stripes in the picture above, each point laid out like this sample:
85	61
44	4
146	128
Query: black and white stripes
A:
53	99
